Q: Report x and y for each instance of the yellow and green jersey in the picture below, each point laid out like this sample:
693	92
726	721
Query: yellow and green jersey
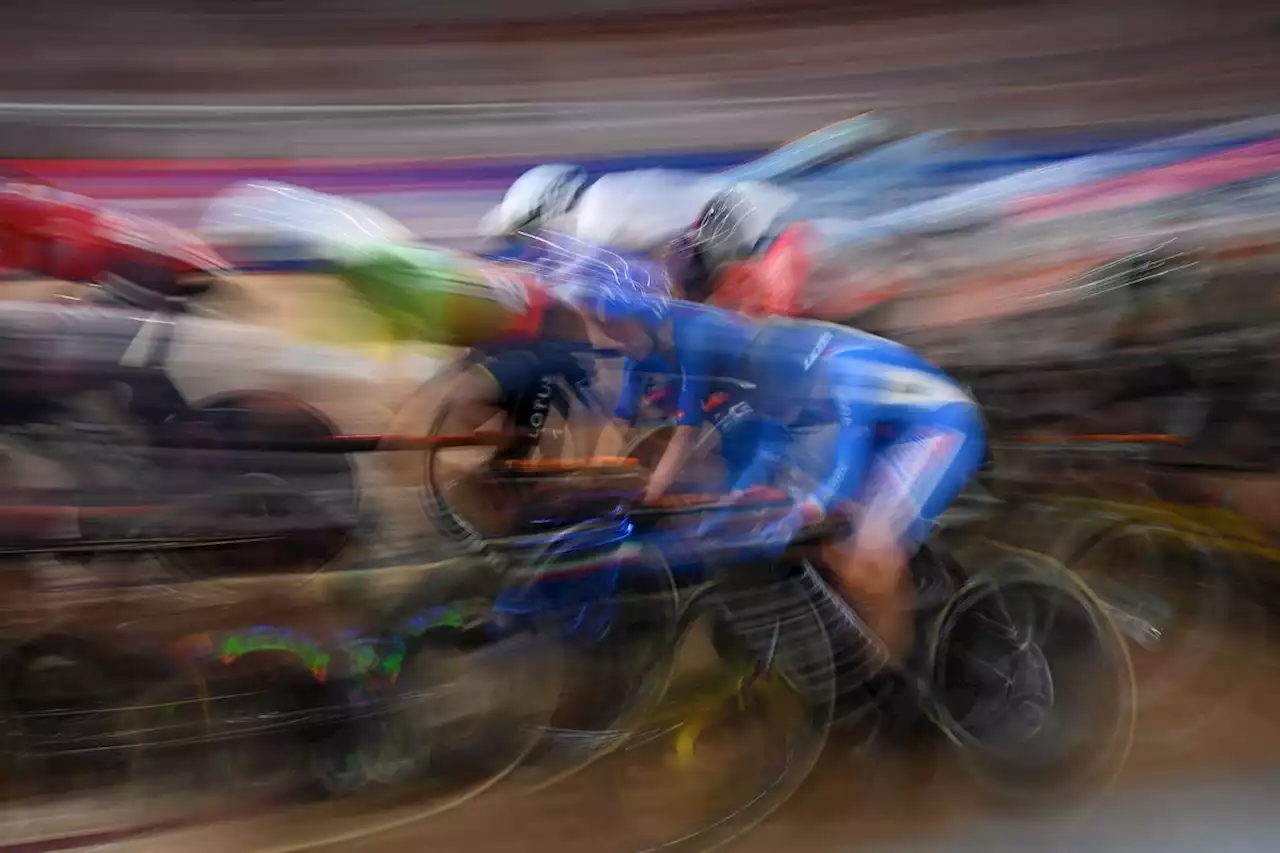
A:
421	294
439	296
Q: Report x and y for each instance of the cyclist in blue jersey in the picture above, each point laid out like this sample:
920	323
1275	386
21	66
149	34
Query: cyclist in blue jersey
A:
908	436
563	267
689	343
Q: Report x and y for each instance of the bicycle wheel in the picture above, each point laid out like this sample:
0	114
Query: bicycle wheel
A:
1033	682
302	508
118	743
747	713
617	632
461	499
471	712
270	718
78	715
471	691
1190	608
444	507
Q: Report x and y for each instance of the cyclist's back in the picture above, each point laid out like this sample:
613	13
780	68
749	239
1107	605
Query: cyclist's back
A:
422	293
908	440
909	436
894	379
64	235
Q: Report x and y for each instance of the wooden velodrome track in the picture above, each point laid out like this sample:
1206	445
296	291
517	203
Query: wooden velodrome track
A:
624	804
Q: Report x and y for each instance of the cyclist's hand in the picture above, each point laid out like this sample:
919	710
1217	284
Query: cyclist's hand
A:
753	494
653	493
784	530
810	513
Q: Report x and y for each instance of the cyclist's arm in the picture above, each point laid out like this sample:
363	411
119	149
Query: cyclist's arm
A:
695	385
590	433
628	406
771	449
672	461
854	421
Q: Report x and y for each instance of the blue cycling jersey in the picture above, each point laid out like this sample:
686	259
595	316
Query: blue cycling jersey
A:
874	391
705	348
907	436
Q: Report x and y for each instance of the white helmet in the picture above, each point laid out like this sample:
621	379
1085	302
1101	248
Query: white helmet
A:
538	196
258	213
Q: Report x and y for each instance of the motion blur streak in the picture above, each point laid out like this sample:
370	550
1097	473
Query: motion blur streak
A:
442	426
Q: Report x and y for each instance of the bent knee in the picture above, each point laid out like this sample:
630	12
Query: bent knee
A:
864	574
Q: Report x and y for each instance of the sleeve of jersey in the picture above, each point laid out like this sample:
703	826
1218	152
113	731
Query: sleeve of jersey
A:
628	405
771	449
694	367
853	438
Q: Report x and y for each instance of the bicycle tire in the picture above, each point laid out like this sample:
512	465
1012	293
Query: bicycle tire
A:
299	549
1225	622
811	701
446	519
628	632
417	797
153	734
97	717
1015	776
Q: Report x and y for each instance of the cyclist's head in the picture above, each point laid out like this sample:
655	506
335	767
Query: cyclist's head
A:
785	364
732	226
256	216
626	313
687	269
538	197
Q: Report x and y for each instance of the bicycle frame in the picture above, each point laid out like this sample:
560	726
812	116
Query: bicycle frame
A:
577	575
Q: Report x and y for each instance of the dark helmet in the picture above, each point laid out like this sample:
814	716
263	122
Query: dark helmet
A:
734	223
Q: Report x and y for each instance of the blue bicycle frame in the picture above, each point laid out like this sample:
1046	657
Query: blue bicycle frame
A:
581	571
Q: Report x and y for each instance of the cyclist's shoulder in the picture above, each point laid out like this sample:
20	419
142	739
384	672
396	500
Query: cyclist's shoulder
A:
851	342
855	352
695	321
823	340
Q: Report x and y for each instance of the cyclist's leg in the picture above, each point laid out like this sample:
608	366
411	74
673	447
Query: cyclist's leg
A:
748	445
523	386
484	396
494	388
910	481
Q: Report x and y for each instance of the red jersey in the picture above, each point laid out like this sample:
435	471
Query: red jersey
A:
50	232
771	285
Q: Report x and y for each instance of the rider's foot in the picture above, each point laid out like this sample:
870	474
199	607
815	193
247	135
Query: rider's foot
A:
907	691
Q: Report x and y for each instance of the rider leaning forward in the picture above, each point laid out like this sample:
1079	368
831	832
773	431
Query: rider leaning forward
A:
908	437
